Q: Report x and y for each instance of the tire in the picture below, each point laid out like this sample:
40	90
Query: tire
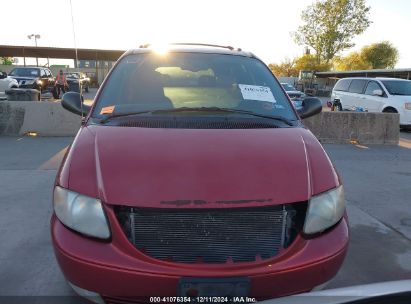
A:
389	110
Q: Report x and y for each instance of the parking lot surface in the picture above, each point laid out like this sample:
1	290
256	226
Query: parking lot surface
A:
377	185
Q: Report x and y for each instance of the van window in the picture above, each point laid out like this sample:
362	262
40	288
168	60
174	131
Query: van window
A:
357	86
371	87
342	85
398	87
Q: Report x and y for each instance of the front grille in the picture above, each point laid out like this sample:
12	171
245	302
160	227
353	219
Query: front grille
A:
211	235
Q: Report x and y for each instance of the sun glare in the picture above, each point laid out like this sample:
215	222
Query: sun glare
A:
160	48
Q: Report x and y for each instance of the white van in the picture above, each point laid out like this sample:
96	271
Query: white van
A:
390	95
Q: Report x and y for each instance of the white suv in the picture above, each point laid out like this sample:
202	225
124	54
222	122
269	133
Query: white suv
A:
390	95
6	83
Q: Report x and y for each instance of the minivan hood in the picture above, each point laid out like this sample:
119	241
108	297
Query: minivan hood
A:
197	168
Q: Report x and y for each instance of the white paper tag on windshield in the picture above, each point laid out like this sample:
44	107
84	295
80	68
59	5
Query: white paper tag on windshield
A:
252	92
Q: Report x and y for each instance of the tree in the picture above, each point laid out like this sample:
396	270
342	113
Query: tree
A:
381	55
353	61
6	60
292	68
309	62
330	25
284	69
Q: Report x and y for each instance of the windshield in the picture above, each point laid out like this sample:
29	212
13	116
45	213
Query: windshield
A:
398	87
288	87
148	82
25	72
72	75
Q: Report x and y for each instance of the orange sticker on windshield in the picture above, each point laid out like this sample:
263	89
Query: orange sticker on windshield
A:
107	110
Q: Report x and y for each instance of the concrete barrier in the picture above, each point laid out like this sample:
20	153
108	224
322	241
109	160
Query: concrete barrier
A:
44	117
50	119
365	128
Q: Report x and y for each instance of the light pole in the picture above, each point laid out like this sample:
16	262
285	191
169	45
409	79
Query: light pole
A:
36	36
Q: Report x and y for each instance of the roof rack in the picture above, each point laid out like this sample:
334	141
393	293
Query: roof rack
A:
144	46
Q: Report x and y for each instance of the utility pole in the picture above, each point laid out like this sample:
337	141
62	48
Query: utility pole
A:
36	36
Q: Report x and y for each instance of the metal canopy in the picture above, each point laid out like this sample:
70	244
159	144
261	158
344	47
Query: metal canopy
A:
60	53
396	73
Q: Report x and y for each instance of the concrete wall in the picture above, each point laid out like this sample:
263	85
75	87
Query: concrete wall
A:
364	128
50	119
44	117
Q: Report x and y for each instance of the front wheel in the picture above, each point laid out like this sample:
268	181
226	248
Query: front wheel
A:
389	110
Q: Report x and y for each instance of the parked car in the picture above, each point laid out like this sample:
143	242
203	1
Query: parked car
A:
193	175
6	83
76	77
387	95
293	92
38	78
296	96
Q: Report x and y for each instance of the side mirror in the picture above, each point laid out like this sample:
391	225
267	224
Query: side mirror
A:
74	102
3	75
310	107
377	92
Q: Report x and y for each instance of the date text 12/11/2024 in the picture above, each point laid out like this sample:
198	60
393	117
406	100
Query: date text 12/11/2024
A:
202	300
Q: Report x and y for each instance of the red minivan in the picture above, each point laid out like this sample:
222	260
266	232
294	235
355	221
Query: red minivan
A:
192	176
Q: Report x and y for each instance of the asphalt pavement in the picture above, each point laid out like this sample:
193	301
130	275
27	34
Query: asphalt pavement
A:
377	185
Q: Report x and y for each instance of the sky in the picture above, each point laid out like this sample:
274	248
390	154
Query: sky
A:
261	26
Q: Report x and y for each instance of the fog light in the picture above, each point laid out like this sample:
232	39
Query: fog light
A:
89	295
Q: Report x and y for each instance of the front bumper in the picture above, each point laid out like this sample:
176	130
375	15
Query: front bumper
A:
117	269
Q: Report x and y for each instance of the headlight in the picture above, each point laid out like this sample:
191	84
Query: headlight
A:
39	82
81	213
324	210
407	105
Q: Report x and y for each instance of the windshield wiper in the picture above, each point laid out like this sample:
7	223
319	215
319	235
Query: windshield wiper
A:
201	109
228	110
109	117
115	115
